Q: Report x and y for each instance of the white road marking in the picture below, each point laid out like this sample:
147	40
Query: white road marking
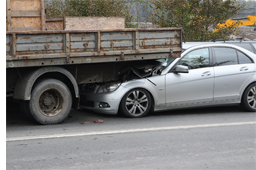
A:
127	131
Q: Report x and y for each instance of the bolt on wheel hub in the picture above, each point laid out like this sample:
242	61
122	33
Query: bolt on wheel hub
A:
50	102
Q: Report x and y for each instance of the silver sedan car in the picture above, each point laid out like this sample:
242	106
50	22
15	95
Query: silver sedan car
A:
205	75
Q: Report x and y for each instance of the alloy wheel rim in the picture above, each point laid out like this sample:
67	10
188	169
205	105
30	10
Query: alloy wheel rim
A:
136	103
251	97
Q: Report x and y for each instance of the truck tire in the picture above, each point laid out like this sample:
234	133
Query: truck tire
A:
50	102
136	103
249	98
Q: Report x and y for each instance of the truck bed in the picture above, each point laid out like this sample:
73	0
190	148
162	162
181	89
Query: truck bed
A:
45	48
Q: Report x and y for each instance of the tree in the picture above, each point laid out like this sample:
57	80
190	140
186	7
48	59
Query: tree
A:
198	18
92	8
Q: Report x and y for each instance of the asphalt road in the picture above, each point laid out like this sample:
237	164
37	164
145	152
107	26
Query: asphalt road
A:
208	138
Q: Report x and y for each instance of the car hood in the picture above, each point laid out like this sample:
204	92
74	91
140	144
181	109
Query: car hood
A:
140	71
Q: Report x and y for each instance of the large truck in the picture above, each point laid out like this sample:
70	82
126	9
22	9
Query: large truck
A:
46	68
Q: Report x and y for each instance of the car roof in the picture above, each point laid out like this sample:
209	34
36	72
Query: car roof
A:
249	45
251	54
237	41
186	45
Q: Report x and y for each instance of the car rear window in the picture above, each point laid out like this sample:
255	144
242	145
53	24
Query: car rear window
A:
254	44
243	59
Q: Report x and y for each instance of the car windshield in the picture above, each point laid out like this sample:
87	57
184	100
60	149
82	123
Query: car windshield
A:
166	62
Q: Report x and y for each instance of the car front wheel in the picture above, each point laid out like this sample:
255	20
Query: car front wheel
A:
136	103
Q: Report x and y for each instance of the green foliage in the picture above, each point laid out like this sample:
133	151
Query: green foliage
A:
132	24
92	8
55	8
198	18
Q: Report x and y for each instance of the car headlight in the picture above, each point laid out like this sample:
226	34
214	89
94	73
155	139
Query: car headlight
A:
108	87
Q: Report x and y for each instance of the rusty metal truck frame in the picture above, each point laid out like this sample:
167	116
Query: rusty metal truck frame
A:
23	49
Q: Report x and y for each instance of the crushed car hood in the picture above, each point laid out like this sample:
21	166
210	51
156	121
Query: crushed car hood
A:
153	68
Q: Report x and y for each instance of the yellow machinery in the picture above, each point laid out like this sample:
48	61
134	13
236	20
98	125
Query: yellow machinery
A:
250	20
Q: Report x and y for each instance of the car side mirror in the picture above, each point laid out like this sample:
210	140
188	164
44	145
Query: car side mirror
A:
181	69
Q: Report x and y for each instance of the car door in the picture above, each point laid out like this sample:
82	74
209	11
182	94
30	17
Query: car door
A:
232	70
193	88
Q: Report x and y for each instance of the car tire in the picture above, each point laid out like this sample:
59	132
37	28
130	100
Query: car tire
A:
136	103
50	102
249	98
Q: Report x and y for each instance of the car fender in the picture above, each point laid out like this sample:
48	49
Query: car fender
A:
249	82
154	87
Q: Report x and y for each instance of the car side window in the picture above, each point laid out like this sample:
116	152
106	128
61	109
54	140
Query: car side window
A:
243	59
225	56
196	59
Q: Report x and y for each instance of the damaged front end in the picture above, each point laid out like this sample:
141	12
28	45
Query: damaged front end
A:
152	68
138	70
132	73
105	97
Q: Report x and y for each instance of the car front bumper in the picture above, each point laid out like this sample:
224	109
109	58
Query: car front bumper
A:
107	103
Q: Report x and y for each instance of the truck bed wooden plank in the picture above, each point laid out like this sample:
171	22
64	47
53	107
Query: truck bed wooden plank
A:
82	46
54	25
116	36
25	4
35	48
7	49
8	39
26	23
39	47
115	43
36	54
61	60
22	13
39	38
82	37
8	45
155	34
116	49
157	42
93	23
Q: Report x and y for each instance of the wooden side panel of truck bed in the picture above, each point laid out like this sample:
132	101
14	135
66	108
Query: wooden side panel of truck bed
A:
27	49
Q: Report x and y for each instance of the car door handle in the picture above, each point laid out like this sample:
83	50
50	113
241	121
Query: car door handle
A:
207	73
244	68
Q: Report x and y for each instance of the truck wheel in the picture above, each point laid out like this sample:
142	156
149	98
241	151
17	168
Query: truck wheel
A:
249	98
136	103
50	102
